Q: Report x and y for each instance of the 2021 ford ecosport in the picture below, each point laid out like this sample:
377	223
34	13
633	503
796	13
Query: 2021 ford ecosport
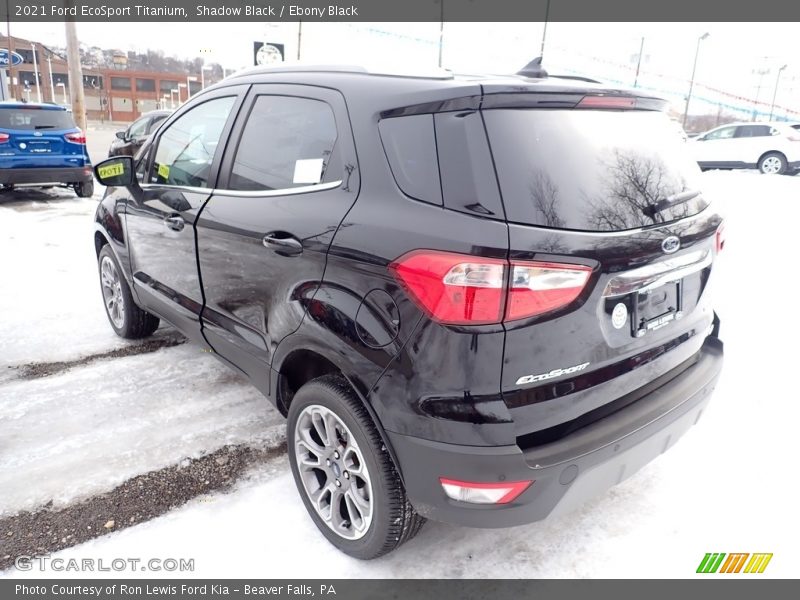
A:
480	300
40	145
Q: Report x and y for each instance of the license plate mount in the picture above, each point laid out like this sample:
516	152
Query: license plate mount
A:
656	308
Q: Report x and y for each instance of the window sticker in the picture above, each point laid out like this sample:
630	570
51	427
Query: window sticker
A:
308	170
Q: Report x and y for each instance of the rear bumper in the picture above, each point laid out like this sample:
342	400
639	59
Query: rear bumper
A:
567	472
46	175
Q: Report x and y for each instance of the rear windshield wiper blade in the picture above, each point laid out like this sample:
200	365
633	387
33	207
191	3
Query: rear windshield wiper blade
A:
670	201
44	126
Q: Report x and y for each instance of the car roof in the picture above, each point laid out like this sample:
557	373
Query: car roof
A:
32	105
392	93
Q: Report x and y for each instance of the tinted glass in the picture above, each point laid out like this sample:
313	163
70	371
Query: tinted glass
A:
155	123
137	128
145	85
286	142
410	146
753	131
465	163
186	148
592	170
31	119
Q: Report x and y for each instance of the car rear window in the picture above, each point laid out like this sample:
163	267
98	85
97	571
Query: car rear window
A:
592	170
31	119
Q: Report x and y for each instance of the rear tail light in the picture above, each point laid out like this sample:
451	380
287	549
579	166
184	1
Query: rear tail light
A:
483	493
607	102
719	238
538	287
459	289
76	138
4	137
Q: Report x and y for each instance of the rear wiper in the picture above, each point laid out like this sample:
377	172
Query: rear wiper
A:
670	201
44	126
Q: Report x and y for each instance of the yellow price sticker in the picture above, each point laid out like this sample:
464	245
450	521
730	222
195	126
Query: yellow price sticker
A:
108	171
163	171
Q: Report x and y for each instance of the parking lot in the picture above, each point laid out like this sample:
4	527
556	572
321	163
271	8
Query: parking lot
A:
159	440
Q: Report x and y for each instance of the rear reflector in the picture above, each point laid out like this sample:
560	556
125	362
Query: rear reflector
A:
483	493
720	238
4	137
607	102
76	138
459	289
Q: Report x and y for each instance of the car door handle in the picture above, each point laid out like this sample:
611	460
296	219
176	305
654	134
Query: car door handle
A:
175	222
283	243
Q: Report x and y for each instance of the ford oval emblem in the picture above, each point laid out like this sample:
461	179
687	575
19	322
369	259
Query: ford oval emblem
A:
670	244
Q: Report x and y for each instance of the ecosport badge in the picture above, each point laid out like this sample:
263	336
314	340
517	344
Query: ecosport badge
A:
551	375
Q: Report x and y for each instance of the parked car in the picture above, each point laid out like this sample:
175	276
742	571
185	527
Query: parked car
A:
470	296
129	141
40	145
769	147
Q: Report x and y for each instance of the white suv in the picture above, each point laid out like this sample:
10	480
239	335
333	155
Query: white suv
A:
770	147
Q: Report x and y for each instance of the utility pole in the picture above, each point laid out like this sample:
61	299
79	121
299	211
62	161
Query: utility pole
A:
544	31
299	37
75	74
639	63
441	31
775	93
11	87
691	82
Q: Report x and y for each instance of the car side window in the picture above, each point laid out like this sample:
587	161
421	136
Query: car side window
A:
155	122
721	134
141	159
186	148
748	131
286	142
137	129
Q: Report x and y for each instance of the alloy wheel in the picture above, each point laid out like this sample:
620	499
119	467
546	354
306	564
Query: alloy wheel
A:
112	292
333	472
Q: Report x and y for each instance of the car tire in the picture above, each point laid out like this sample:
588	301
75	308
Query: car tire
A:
126	318
85	189
369	514
773	163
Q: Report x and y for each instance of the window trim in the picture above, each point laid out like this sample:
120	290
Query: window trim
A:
306	189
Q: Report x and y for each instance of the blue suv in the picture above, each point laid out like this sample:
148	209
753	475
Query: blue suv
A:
40	145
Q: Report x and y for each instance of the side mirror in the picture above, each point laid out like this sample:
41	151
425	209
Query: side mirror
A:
115	172
120	135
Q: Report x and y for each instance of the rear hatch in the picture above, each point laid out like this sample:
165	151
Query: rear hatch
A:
39	137
611	244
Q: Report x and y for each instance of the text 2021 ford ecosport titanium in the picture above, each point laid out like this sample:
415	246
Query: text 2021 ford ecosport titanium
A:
479	300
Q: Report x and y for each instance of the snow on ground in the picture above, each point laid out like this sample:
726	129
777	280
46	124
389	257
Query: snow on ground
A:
726	487
90	428
120	418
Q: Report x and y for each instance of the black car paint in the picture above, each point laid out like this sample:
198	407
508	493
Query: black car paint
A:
337	299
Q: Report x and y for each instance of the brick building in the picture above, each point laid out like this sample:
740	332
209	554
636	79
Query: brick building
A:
115	94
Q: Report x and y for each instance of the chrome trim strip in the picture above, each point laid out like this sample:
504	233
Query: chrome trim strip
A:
657	274
306	189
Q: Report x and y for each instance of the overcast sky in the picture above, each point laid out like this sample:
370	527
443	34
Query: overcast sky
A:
741	58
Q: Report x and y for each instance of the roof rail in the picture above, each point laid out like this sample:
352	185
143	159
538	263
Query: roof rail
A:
533	69
354	69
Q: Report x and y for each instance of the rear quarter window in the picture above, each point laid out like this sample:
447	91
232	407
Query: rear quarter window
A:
410	147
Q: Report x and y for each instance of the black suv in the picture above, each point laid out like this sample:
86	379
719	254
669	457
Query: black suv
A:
479	300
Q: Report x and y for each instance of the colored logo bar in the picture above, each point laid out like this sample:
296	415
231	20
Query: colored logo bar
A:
717	562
